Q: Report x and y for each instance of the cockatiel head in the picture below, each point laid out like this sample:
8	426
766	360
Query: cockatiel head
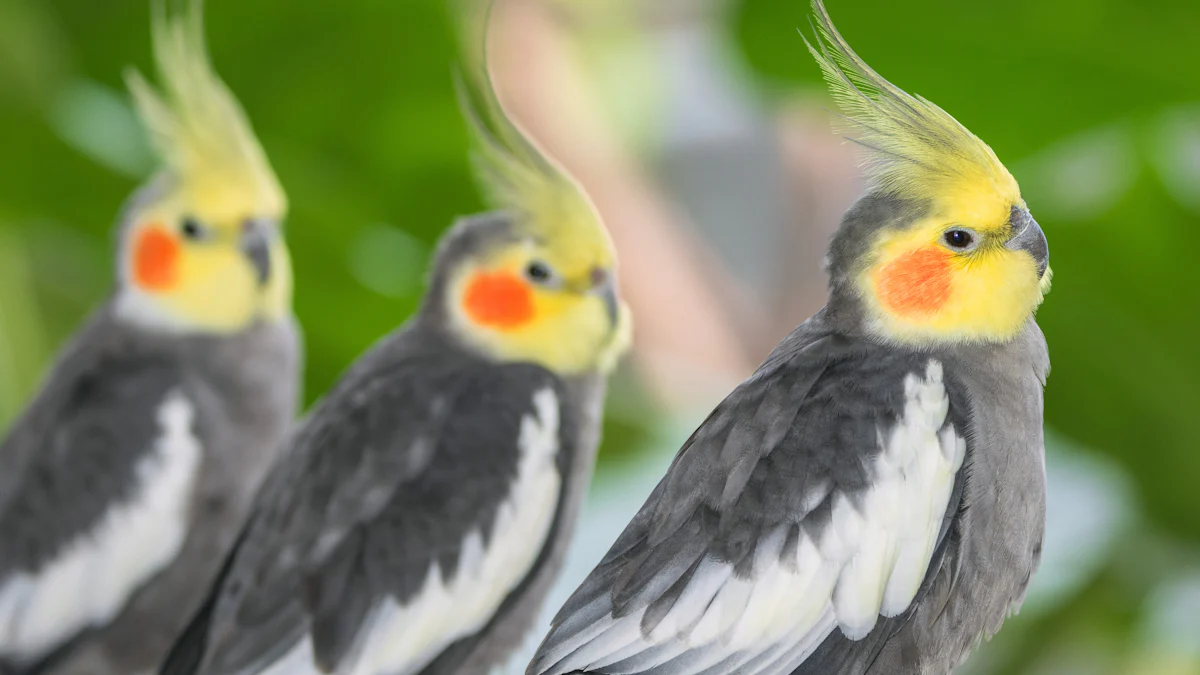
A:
942	249
201	246
536	279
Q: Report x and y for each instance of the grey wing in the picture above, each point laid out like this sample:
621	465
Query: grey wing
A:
811	500
102	465
395	480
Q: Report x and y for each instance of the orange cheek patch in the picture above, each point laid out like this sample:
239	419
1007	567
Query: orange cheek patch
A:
915	283
155	256
499	300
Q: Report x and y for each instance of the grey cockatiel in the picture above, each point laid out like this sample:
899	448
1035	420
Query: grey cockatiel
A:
872	499
128	477
425	504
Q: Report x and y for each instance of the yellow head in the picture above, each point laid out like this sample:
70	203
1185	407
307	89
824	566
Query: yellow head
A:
943	248
535	281
201	247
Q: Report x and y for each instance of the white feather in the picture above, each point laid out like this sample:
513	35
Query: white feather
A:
403	638
726	610
800	650
633	646
93	577
760	622
581	637
617	639
691	604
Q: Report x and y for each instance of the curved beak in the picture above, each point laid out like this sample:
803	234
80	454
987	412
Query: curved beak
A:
1028	237
256	246
604	286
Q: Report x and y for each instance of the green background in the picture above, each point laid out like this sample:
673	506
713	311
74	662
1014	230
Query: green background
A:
1093	104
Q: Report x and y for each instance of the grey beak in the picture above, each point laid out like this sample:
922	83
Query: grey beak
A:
603	285
1029	237
256	246
609	295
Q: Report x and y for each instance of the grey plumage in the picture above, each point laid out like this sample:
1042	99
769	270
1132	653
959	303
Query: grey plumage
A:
73	455
413	453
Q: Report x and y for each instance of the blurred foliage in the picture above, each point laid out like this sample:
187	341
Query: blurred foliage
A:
22	347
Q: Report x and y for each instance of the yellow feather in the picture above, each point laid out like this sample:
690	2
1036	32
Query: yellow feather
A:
915	150
517	176
199	130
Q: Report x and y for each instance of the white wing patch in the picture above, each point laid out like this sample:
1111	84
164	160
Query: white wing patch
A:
93	577
402	639
868	562
894	531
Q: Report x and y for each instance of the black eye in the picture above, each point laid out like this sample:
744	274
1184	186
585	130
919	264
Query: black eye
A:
191	228
539	272
959	238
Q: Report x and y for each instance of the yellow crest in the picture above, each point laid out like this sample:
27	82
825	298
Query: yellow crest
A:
198	128
518	177
915	150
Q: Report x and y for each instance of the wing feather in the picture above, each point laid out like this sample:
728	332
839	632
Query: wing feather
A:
365	552
106	458
765	539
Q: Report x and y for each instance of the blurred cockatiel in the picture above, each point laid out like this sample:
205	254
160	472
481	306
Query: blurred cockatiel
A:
424	506
127	479
872	499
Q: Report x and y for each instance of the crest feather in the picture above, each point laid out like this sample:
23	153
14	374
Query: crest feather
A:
198	128
915	149
515	174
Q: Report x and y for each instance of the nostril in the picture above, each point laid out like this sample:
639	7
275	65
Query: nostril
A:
599	277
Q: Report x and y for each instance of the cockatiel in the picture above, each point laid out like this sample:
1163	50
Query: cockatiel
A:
424	506
128	477
872	499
